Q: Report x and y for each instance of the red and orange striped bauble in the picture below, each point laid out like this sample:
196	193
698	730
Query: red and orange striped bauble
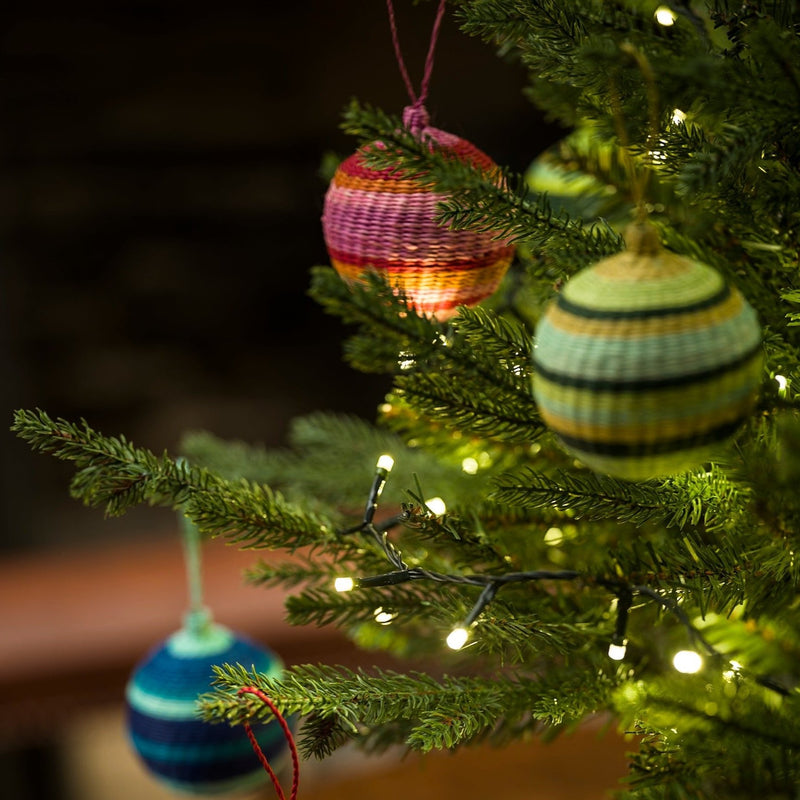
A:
384	221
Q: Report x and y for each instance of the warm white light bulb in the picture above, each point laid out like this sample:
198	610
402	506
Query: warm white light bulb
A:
553	537
406	361
616	651
782	382
385	462
678	116
344	584
469	465
665	16
687	661
436	506
731	673
457	638
383	617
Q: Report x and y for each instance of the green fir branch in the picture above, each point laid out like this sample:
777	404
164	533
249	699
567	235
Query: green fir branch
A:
715	735
441	713
493	414
436	605
255	517
312	571
679	502
441	373
111	472
388	326
237	459
502	341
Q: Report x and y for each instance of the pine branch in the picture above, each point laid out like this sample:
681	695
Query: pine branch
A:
441	713
502	342
115	474
411	603
493	415
460	531
442	374
111	471
253	516
237	459
389	327
679	502
570	49
527	631
312	571
732	743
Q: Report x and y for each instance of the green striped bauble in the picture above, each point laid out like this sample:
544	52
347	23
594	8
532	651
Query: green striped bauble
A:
178	748
646	361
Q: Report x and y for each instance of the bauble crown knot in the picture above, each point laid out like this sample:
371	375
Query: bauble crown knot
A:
416	118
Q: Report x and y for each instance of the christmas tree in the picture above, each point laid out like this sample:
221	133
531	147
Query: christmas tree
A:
583	560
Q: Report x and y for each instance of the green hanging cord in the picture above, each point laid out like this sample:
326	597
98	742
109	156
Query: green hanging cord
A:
639	179
198	617
653	111
198	622
637	188
199	636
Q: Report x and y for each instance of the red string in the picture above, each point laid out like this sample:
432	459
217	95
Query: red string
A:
260	753
426	78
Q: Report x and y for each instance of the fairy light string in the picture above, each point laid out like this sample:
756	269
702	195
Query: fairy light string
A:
616	650
490	585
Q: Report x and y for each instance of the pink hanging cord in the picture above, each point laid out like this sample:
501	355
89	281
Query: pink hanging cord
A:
415	117
260	753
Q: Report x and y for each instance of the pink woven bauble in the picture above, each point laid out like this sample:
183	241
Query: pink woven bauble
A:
382	221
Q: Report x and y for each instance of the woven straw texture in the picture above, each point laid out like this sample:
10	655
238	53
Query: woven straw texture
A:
380	220
644	362
183	752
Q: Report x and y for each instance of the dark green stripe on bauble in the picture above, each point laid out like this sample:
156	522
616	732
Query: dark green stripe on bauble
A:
581	381
588	312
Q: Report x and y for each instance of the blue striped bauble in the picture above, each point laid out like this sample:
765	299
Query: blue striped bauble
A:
182	751
646	361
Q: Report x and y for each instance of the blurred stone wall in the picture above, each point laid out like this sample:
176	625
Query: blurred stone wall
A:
160	198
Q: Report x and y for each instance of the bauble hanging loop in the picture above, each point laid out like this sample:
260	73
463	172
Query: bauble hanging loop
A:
646	361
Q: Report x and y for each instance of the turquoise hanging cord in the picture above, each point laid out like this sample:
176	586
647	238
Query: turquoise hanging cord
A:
198	617
197	621
199	636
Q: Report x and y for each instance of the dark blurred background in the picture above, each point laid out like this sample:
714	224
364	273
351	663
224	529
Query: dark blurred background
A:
161	197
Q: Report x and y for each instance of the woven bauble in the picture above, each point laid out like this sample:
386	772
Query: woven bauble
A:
557	172
182	751
383	221
645	361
